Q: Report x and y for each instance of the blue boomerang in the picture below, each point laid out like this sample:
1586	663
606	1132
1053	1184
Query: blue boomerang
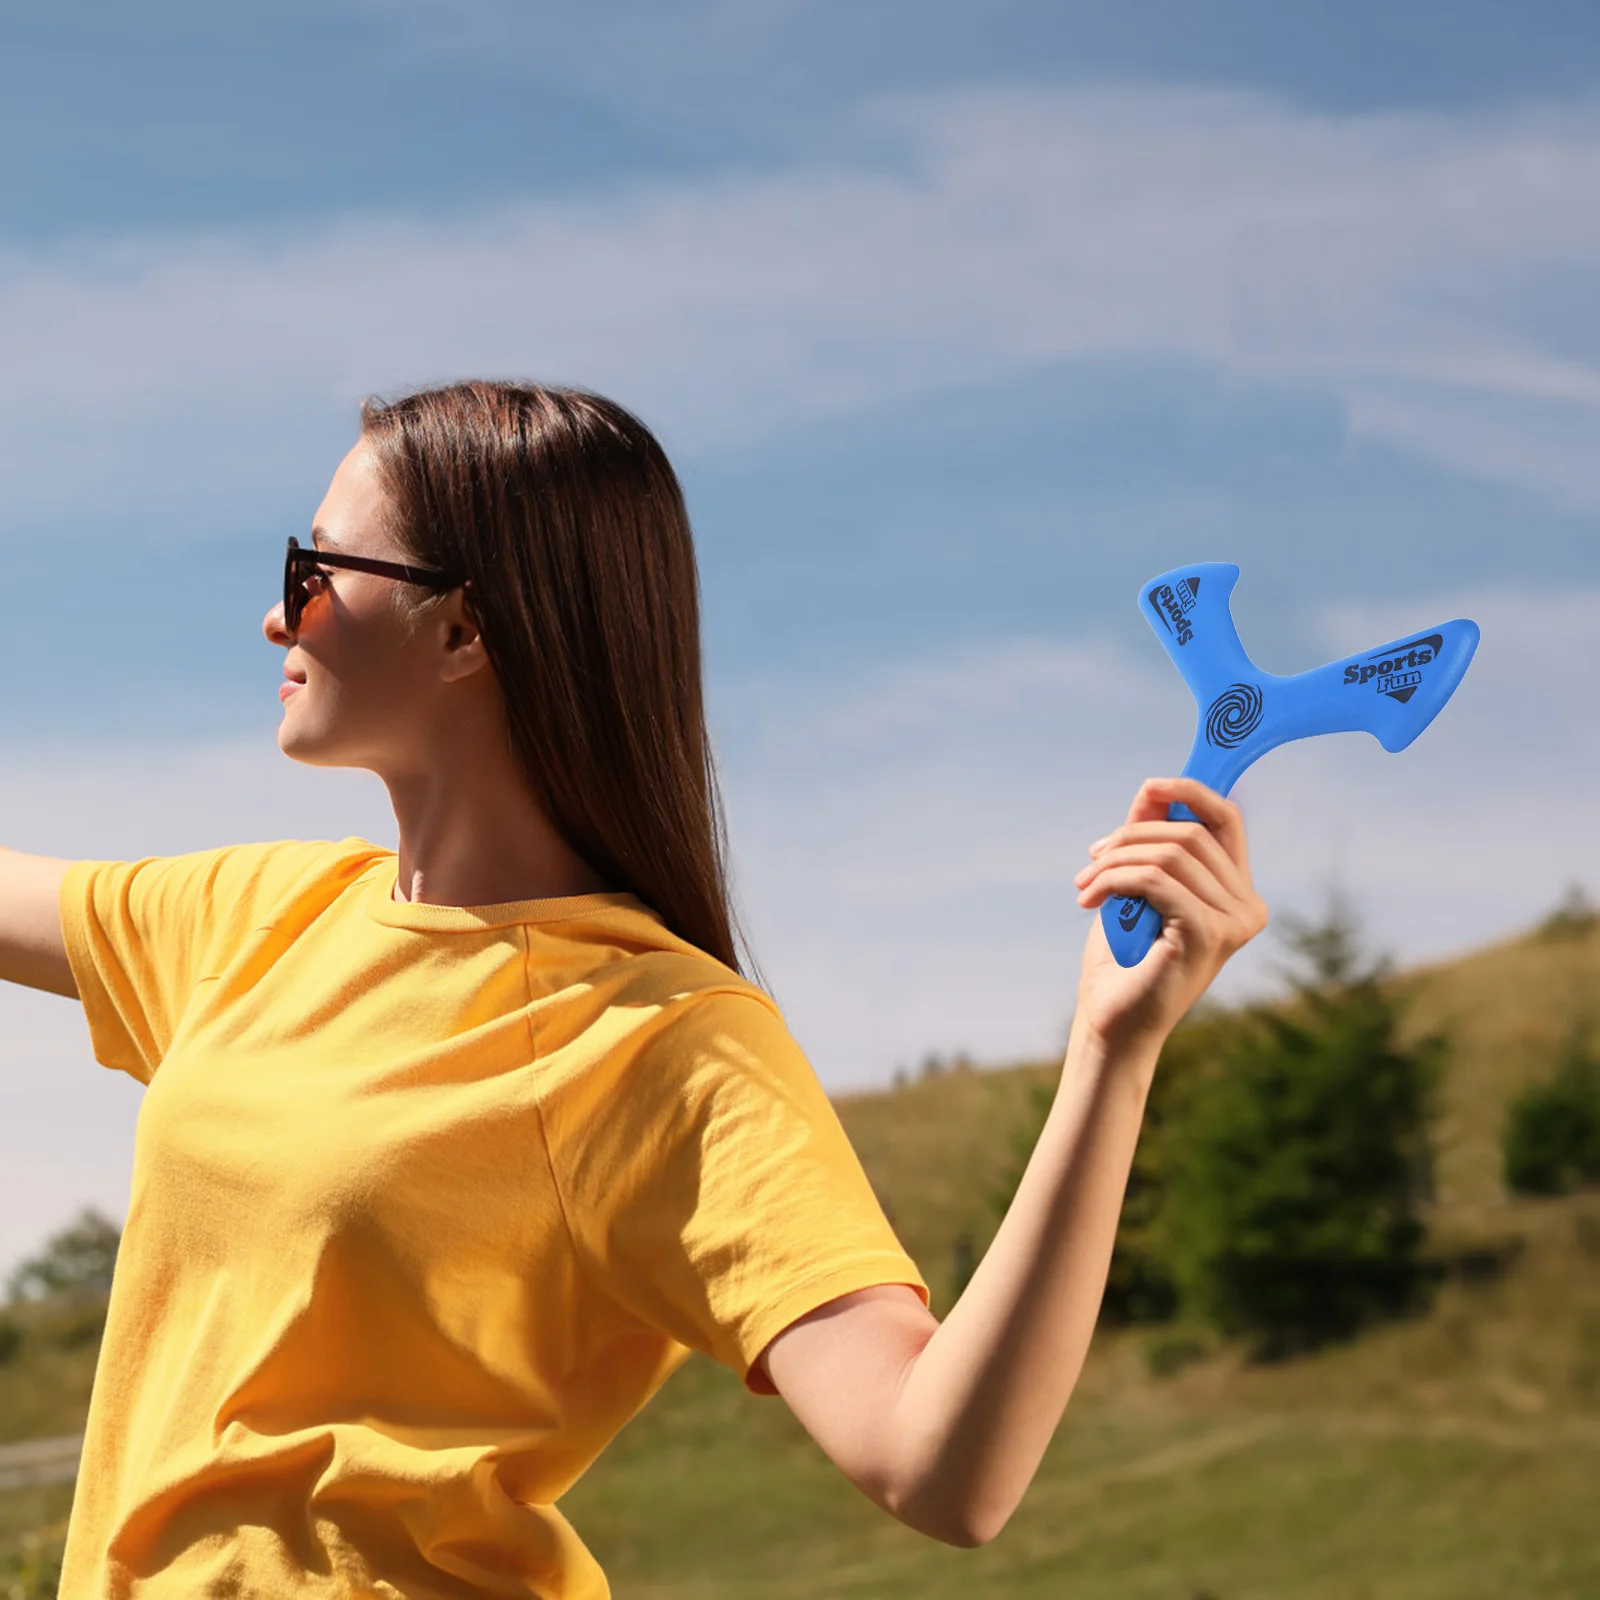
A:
1392	692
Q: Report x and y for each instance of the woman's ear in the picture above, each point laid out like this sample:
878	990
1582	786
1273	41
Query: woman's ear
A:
464	652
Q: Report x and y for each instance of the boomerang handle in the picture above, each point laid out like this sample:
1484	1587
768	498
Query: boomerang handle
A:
1132	926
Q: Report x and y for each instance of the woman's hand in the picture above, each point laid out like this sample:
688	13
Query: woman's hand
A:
1198	878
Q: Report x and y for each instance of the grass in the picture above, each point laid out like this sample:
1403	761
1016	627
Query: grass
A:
710	1496
1450	1454
33	1525
46	1379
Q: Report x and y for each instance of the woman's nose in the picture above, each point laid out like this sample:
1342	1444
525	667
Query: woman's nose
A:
272	626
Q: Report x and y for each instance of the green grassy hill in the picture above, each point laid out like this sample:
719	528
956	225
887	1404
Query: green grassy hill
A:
1452	1454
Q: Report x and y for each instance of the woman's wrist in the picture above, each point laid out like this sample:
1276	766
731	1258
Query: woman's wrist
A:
1116	1049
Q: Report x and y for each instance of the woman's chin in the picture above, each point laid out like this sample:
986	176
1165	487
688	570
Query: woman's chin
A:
300	743
314	747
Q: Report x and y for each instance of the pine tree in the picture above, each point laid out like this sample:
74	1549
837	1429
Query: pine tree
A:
1296	1175
1552	1133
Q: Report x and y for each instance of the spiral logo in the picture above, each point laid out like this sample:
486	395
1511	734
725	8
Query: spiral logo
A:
1234	715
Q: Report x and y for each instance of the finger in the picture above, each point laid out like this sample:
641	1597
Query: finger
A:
1222	817
1175	901
1192	836
1165	855
1242	915
1147	805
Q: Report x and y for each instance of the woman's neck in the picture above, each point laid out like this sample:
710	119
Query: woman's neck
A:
474	836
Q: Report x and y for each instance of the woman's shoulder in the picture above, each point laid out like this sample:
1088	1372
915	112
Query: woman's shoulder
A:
647	965
238	884
644	988
278	866
230	875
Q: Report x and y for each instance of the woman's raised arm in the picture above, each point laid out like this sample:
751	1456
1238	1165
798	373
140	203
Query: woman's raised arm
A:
944	1424
32	950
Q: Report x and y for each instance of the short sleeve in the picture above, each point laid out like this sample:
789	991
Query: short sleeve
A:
142	935
710	1185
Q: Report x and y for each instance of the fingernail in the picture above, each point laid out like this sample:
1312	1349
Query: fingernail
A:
1099	845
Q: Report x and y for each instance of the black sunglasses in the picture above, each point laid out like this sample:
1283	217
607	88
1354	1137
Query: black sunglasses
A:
299	564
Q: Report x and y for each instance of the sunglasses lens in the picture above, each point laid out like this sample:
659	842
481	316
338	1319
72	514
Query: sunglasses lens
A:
294	590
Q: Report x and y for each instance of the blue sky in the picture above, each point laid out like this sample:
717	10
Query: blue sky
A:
958	320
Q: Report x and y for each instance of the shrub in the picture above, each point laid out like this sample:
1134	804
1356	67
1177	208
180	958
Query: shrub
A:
1296	1174
1551	1142
1573	918
75	1263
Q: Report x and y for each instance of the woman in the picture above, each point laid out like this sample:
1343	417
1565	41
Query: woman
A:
449	1156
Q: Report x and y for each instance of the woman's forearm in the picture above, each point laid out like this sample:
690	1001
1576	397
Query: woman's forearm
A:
982	1398
945	1425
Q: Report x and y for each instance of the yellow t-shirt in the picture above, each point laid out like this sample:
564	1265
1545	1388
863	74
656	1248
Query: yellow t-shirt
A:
427	1202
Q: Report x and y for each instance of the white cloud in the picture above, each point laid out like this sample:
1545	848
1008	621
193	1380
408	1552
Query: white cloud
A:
1384	260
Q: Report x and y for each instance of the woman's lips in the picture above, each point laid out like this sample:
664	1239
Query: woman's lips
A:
288	687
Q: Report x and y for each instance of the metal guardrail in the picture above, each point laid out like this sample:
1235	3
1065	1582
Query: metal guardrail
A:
39	1461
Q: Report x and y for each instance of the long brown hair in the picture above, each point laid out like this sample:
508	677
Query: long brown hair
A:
564	513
